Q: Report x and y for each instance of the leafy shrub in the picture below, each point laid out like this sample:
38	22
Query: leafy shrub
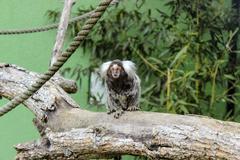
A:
182	54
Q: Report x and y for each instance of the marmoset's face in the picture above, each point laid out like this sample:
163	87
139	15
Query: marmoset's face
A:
116	71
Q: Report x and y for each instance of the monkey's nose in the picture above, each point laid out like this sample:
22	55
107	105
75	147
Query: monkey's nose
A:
115	75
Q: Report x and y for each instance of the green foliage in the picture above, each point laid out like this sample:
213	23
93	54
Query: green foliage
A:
181	55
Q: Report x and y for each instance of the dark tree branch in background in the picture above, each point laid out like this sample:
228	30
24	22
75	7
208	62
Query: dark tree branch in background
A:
232	60
69	132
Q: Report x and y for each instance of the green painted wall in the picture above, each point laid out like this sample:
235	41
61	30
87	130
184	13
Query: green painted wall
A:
32	51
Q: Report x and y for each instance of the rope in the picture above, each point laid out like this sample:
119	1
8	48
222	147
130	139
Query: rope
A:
44	28
90	23
48	27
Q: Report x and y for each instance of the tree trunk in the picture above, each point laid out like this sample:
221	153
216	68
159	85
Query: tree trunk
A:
68	132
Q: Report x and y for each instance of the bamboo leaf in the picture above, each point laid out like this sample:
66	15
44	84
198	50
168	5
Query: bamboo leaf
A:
228	76
180	55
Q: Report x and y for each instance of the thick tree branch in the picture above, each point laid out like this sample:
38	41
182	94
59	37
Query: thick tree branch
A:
14	80
153	135
71	133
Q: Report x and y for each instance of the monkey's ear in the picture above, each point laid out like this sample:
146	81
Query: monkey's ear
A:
104	68
129	68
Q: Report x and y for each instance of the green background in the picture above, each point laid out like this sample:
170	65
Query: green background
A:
33	52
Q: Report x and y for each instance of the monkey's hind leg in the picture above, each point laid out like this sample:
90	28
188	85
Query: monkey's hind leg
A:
118	107
114	106
133	103
110	106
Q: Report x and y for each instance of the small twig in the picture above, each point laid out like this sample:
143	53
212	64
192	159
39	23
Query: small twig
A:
169	77
213	91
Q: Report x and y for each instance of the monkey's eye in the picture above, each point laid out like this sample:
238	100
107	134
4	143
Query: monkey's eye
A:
119	69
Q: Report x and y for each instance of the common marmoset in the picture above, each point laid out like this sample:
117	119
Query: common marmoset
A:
122	86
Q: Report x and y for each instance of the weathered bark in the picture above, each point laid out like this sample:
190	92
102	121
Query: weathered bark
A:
14	80
73	133
153	135
68	85
174	138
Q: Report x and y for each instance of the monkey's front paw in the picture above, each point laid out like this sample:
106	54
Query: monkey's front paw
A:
133	108
118	114
110	111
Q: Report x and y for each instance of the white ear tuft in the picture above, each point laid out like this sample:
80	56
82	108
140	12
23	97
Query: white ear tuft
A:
129	68
103	69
